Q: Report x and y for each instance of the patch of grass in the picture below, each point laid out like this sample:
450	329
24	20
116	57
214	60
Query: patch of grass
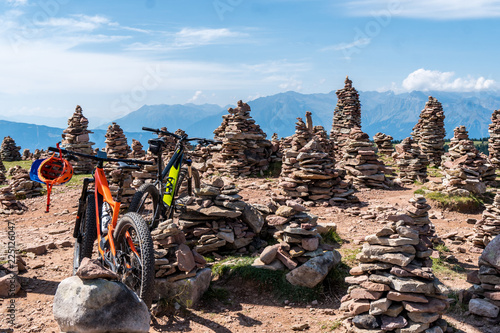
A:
442	267
434	172
349	256
457	306
331	237
441	248
23	164
331	325
417	183
469	204
77	180
419	191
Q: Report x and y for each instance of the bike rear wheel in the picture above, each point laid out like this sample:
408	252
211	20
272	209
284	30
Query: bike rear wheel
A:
87	234
135	254
145	203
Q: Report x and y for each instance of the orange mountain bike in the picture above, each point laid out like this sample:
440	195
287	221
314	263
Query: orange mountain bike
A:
124	245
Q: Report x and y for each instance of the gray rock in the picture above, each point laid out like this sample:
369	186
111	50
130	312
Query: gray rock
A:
269	254
423	317
380	306
253	218
483	308
275	265
315	270
186	291
95	306
490	253
372	239
365	322
409	285
413	328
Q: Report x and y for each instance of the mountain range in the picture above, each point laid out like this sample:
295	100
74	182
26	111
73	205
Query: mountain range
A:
387	112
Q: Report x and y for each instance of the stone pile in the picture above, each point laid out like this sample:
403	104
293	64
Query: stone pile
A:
137	151
147	173
22	186
27	155
347	115
361	162
3	178
218	220
411	162
9	151
245	149
465	169
393	288
37	153
76	138
300	249
8	202
324	141
489	226
384	143
119	179
486	284
276	150
308	172
429	131
2	167
494	140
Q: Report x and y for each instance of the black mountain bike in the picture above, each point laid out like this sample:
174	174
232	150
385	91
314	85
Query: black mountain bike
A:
172	182
124	245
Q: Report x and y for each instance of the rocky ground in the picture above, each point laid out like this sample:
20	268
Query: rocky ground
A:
247	308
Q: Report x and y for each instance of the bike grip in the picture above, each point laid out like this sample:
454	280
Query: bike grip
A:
150	129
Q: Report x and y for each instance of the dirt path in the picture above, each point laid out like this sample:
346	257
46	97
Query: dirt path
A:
247	308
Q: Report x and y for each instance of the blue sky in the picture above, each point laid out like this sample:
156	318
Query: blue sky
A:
111	57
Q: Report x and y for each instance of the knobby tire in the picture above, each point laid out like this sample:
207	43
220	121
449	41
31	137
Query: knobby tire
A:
88	234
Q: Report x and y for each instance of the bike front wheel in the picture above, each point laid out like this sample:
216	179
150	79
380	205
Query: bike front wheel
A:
87	233
135	254
185	185
145	203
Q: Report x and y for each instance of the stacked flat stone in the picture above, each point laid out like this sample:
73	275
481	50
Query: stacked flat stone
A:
465	169
117	147
361	161
324	141
2	166
429	132
488	227
9	204
411	162
346	116
393	288
37	153
174	260
22	186
9	151
486	284
3	178
76	138
494	140
27	155
300	249
276	151
147	173
384	143
308	172
245	150
137	151
217	219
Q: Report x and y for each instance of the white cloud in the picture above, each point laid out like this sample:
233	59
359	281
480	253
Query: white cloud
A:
77	22
361	42
195	97
428	9
17	2
193	37
423	79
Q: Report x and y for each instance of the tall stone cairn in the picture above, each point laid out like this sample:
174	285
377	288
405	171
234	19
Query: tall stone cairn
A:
346	116
361	161
429	131
76	138
9	151
489	226
27	155
309	173
117	147
494	140
393	288
384	143
411	162
486	299
299	249
465	169
245	149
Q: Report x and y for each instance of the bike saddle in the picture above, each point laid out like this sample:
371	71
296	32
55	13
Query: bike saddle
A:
125	166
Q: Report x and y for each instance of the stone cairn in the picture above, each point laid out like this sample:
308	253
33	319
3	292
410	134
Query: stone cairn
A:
361	162
9	151
485	300
22	186
276	150
37	153
429	131
300	249
346	116
309	173
245	150
489	226
147	172
76	138
9	204
174	259
465	169
411	162
137	151
218	220
117	147
393	288
494	140
27	155
324	141
384	143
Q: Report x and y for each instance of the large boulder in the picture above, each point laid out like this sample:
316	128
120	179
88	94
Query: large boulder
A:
186	291
491	253
315	270
95	306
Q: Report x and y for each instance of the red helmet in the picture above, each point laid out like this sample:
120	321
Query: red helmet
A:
55	170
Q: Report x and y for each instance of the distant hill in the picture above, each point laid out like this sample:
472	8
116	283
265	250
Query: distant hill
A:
387	112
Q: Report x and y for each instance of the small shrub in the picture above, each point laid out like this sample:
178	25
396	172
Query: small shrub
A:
331	237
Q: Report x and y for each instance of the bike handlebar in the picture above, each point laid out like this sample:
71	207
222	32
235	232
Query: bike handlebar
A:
159	131
201	141
96	158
